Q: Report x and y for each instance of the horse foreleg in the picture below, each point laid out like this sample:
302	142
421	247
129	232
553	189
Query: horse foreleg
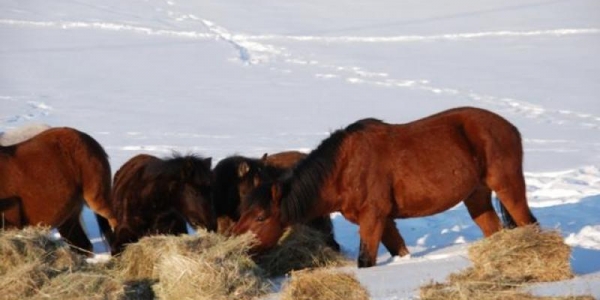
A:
72	231
371	230
325	226
479	205
392	240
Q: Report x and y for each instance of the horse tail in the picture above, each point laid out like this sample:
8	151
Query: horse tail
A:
105	230
507	219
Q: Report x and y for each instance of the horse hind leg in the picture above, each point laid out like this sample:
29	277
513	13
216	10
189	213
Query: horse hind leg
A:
511	193
479	205
72	231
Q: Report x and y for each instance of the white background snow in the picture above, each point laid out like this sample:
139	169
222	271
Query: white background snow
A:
247	77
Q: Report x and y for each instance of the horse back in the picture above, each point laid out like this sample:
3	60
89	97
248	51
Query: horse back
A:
284	160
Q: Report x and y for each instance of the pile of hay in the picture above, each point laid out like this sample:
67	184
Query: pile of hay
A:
206	266
34	265
323	284
504	262
300	247
202	266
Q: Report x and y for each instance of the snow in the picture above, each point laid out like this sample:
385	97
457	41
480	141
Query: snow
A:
249	77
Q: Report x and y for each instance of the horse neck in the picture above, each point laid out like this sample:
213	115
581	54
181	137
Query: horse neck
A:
310	190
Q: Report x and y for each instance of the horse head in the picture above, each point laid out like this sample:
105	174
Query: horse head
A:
192	186
260	215
233	179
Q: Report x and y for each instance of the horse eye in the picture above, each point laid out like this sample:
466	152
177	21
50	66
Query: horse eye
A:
261	218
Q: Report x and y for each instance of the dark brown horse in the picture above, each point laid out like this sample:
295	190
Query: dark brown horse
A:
155	196
47	179
236	176
373	172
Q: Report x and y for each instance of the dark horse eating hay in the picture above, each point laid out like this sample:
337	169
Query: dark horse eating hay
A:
235	177
156	196
47	179
373	172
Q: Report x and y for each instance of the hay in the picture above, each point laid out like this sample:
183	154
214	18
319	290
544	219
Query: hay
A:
505	262
323	284
300	247
526	254
33	245
82	285
207	266
29	259
203	266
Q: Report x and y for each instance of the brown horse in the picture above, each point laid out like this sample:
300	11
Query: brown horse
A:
373	172
47	179
157	196
236	176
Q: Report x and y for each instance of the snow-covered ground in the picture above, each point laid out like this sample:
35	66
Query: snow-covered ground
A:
248	77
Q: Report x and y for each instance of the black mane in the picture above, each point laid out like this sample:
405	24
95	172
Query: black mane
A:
300	189
179	167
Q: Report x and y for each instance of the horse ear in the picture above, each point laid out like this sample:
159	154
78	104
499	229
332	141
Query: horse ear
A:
207	162
276	194
243	169
264	157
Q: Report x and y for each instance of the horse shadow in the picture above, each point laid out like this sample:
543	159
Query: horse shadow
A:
427	235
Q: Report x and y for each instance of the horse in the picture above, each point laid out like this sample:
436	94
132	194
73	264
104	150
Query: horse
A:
47	179
157	196
235	177
374	172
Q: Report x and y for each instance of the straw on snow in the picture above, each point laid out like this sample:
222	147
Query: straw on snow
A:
506	261
323	284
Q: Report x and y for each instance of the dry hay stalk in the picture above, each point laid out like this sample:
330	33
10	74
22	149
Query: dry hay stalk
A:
504	262
207	266
300	247
323	284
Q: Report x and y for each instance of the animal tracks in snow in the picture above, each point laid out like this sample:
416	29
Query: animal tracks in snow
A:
31	110
262	49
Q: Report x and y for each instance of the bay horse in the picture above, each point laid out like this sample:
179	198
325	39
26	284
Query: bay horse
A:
157	196
235	177
47	179
373	172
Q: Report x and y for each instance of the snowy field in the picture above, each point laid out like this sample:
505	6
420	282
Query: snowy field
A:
247	77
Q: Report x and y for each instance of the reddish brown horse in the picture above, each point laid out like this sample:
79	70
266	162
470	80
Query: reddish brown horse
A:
157	196
236	176
373	172
47	179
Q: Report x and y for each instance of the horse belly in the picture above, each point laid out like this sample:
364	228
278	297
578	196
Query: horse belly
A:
427	189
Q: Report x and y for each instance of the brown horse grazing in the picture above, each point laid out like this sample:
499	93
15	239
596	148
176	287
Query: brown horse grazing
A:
236	176
47	179
155	196
373	172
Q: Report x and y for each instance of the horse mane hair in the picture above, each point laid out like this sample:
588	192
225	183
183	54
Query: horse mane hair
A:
177	166
301	186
